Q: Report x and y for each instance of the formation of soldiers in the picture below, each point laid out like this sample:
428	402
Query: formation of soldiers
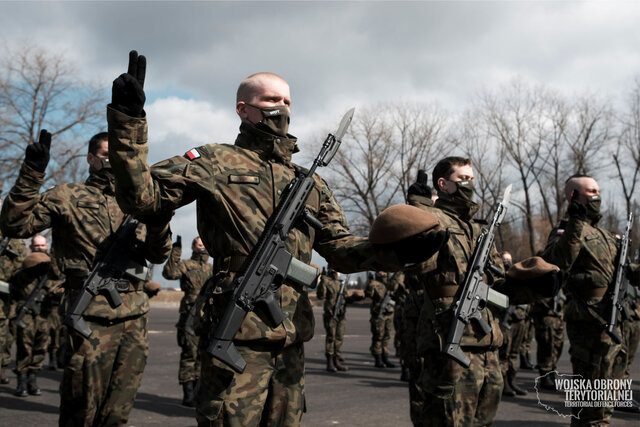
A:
105	231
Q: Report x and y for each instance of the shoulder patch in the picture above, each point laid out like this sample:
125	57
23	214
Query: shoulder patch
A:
192	154
559	231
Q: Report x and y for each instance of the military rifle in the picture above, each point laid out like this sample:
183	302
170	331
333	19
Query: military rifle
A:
475	293
269	263
115	266
510	313
338	307
556	302
5	249
35	297
619	293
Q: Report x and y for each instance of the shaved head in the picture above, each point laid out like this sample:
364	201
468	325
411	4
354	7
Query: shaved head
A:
582	184
253	85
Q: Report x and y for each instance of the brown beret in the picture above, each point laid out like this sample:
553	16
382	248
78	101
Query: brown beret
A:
530	268
152	286
35	258
399	222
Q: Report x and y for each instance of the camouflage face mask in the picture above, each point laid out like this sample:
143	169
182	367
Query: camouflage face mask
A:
593	208
275	120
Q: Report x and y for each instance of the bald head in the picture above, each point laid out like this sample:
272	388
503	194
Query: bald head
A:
584	186
261	90
39	243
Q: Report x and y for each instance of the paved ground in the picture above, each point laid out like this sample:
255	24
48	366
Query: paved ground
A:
365	396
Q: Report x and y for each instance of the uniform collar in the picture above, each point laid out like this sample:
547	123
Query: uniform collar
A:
268	146
102	179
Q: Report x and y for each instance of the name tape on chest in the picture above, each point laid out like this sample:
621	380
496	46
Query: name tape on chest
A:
192	154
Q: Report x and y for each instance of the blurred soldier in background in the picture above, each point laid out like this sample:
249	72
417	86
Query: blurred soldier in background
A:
192	273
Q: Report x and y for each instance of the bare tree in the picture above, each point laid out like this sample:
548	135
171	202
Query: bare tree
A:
40	90
627	152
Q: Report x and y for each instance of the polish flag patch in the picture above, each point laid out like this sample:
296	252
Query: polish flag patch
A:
559	231
192	154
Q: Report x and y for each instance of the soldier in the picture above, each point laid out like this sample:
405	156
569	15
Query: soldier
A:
236	188
192	274
588	252
11	259
101	379
514	327
334	318
381	290
548	319
454	395
419	195
32	335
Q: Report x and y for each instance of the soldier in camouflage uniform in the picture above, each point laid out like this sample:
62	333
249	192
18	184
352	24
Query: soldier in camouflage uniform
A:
454	395
418	195
548	319
588	252
192	274
101	379
514	331
32	335
381	318
328	289
10	262
237	188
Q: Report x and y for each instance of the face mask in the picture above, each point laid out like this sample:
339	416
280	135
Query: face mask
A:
464	190
593	208
275	120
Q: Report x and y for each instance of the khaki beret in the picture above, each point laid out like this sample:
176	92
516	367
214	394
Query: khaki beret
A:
35	258
530	268
152	286
399	222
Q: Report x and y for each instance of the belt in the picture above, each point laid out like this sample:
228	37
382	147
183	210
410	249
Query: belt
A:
442	291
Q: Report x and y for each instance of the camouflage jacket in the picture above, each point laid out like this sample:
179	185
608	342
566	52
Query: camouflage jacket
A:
376	290
192	273
82	217
443	275
237	188
588	253
8	266
328	289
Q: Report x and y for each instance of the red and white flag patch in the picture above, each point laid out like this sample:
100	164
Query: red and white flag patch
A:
560	231
192	154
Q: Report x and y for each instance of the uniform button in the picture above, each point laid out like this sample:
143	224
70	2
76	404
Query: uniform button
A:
218	289
278	141
279	192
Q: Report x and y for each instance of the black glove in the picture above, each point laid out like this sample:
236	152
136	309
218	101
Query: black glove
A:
37	153
420	247
127	94
576	209
178	242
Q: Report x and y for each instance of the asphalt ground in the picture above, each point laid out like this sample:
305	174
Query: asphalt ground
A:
364	396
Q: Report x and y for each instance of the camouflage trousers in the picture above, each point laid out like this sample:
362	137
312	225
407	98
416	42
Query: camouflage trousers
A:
5	342
458	396
410	359
380	334
592	356
550	340
630	341
335	333
270	391
189	357
31	343
54	322
101	380
509	352
530	331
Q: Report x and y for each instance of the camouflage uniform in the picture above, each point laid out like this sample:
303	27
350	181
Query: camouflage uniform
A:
454	395
549	327
192	273
513	337
400	298
33	339
52	312
381	326
237	188
8	266
588	253
101	379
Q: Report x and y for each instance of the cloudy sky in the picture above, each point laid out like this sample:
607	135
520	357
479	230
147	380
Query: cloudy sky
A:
334	54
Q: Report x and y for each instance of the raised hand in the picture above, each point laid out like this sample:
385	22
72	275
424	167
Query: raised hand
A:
37	153
577	209
127	94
